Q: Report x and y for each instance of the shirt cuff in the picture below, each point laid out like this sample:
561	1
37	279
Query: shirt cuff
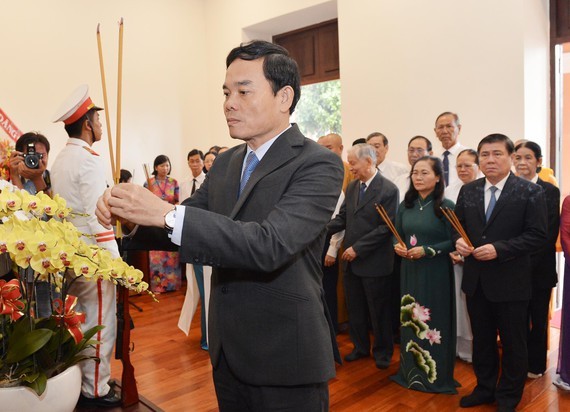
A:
332	251
176	236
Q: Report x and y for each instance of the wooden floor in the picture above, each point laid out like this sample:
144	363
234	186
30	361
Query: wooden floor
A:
175	374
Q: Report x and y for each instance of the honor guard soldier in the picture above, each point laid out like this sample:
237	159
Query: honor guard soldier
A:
78	176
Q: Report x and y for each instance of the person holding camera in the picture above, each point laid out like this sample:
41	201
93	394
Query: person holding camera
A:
28	163
28	171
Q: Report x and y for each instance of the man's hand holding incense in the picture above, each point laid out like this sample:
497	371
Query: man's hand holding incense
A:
485	252
132	203
463	248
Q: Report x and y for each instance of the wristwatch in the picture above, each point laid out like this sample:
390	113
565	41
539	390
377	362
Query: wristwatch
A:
169	219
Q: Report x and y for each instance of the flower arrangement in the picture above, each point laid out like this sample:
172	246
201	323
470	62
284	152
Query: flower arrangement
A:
32	348
416	316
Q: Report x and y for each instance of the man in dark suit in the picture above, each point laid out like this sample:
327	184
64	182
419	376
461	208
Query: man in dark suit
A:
504	217
369	255
262	229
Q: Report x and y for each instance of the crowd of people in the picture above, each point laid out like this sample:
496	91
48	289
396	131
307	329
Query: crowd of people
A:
468	295
278	211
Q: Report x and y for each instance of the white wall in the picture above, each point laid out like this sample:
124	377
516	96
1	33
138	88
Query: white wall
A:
50	47
418	59
402	63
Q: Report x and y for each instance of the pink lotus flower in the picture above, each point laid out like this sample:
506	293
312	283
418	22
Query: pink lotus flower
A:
413	240
421	313
434	336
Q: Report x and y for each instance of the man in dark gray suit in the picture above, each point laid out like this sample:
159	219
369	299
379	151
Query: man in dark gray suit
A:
262	229
504	217
369	255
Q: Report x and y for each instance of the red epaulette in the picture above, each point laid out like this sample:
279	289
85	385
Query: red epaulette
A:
93	152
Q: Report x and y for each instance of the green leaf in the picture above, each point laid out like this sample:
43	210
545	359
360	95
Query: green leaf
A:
27	344
30	377
39	385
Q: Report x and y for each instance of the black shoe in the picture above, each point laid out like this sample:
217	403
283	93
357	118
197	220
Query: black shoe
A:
503	408
111	400
475	400
355	355
382	363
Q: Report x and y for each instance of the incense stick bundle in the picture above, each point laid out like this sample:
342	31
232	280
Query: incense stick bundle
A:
386	218
454	220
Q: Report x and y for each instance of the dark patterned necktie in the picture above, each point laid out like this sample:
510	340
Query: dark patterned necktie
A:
446	167
362	191
193	187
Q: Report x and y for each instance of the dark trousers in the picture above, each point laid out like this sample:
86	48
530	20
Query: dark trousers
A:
538	330
330	282
370	298
199	273
237	396
510	319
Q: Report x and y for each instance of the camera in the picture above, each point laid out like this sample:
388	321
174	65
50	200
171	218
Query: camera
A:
31	158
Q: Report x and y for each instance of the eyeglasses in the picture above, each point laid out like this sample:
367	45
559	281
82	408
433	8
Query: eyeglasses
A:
411	150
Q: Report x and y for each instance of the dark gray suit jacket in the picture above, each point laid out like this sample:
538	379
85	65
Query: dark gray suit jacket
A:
543	261
366	232
267	308
516	228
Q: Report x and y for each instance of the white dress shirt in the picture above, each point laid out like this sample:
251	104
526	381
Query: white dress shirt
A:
186	186
391	170
500	185
452	157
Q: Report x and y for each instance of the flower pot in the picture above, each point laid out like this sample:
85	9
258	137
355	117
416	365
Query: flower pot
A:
61	394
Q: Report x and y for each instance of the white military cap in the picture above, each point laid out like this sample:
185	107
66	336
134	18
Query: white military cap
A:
75	106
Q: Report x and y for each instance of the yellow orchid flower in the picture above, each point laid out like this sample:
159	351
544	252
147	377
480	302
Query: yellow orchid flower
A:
10	201
17	242
141	287
42	263
116	269
22	259
64	253
107	265
42	241
65	231
83	248
132	276
83	266
49	206
62	210
31	204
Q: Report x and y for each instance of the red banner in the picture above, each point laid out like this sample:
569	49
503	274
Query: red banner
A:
9	127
